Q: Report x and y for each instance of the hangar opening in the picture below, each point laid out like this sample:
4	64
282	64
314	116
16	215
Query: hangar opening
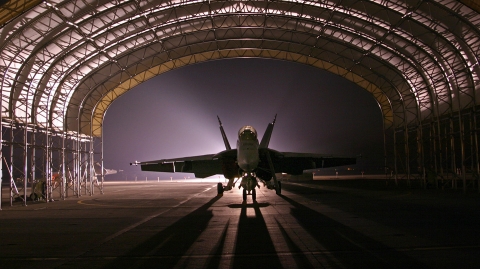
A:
174	115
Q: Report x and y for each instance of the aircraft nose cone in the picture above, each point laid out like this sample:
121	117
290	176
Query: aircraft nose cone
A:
247	133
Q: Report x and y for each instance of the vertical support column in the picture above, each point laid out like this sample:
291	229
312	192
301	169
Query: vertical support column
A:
401	150
93	163
476	146
91	166
407	155
385	160
461	136
98	164
73	164
97	158
33	145
438	151
63	184
55	165
103	168
78	154
470	136
70	164
97	153
1	146
3	158
86	164
420	154
395	157
76	172
433	151
25	163
83	166
389	150
48	165
91	169
452	152
12	184
67	165
18	165
447	162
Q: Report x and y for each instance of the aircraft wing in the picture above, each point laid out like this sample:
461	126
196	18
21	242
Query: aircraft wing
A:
294	163
202	166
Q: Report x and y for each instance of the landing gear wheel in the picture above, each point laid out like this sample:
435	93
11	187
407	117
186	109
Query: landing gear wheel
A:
244	195
254	195
219	188
278	188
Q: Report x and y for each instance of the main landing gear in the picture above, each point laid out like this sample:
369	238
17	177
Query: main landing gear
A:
278	188
219	189
229	186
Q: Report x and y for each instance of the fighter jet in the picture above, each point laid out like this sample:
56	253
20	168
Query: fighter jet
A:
251	162
98	170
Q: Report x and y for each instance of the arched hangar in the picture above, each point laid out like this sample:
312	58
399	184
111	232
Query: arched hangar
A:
63	62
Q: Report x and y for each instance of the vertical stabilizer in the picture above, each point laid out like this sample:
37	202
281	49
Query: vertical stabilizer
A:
224	136
268	134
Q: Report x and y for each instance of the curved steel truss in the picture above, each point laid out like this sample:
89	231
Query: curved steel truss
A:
64	62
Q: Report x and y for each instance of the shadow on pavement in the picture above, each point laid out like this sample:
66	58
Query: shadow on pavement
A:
347	247
254	248
298	255
167	247
216	255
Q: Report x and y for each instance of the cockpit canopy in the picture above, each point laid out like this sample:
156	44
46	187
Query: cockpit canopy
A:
247	133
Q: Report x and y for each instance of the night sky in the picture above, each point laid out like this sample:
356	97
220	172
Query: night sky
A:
175	114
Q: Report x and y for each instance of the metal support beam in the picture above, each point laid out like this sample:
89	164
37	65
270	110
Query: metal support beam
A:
63	184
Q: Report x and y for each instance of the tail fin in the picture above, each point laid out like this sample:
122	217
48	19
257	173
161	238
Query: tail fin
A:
268	134
224	136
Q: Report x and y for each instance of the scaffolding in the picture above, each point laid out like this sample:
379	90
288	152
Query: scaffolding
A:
45	165
447	147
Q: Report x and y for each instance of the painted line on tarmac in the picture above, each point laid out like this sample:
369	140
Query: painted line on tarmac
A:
83	202
150	217
128	228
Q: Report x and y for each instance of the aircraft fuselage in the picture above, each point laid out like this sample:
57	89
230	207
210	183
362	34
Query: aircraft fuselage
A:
247	149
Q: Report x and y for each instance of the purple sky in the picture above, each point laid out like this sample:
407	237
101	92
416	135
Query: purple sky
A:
175	114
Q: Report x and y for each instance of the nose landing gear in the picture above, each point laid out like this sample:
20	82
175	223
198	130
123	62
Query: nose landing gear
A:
249	182
253	193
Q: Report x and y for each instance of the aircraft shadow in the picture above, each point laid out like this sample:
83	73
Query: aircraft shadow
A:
254	205
254	248
345	246
170	244
216	254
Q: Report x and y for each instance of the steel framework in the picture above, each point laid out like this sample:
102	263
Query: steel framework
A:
63	62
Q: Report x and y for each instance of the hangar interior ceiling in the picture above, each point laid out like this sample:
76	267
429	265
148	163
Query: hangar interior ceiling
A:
64	62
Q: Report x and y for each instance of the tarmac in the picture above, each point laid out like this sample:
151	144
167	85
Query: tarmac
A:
357	223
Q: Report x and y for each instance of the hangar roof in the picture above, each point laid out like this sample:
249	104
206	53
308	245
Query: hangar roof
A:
63	62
